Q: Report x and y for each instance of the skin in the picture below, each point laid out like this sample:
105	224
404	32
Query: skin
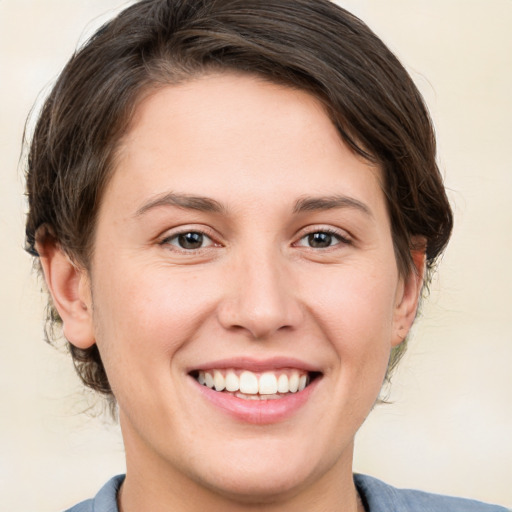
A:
256	289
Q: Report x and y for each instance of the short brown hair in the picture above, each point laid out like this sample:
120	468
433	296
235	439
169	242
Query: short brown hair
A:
312	45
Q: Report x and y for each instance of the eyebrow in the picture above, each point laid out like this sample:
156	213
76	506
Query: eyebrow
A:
309	204
203	204
206	204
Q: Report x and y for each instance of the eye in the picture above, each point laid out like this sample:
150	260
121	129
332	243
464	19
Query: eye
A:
189	240
322	240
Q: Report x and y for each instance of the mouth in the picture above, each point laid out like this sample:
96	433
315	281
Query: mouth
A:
249	385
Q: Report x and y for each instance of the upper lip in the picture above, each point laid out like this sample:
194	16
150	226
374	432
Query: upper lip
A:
257	365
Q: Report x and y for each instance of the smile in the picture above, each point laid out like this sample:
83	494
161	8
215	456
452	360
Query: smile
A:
248	385
261	392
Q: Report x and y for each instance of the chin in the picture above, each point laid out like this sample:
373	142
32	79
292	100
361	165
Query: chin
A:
268	485
270	474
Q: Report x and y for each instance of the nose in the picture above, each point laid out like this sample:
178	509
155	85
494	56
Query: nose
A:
262	296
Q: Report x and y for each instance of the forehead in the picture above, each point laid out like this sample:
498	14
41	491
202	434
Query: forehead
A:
236	137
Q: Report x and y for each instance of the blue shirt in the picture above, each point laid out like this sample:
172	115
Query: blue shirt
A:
376	496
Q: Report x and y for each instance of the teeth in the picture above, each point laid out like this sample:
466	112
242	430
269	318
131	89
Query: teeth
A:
293	383
282	384
232	381
208	380
248	383
248	397
251	385
268	384
218	381
258	397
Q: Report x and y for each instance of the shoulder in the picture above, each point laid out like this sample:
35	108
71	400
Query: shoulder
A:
104	501
381	497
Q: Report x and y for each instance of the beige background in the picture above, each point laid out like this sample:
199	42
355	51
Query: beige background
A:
450	428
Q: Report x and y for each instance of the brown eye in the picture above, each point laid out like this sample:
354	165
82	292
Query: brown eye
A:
189	240
321	240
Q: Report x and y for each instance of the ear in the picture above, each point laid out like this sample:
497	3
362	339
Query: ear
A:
69	287
408	294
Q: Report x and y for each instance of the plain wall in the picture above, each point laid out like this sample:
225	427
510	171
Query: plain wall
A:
449	429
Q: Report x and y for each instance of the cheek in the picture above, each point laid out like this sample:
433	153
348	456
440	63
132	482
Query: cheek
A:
353	301
144	316
355	310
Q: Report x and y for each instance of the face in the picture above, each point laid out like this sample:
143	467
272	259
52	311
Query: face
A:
242	252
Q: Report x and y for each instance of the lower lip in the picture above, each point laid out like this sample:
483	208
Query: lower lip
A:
259	412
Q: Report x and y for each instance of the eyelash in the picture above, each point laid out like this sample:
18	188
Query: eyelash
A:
168	240
341	238
173	240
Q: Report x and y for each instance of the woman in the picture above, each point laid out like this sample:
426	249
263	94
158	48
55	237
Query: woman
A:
236	205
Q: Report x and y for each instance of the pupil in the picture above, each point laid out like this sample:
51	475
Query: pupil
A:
190	240
320	240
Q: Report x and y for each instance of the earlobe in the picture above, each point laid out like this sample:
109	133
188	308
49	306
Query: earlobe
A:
409	294
70	290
